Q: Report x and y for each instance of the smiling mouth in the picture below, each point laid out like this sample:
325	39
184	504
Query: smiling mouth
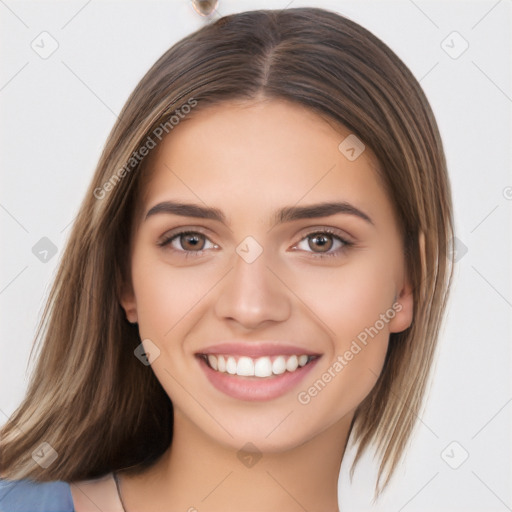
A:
260	367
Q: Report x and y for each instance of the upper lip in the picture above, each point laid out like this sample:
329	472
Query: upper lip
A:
256	349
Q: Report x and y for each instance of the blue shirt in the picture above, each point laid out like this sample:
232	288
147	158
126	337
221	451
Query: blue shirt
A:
29	496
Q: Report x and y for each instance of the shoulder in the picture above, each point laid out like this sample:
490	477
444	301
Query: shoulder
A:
29	496
96	494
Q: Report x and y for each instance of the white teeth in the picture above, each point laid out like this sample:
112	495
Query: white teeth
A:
213	361
292	363
279	365
231	365
245	367
260	367
303	360
263	367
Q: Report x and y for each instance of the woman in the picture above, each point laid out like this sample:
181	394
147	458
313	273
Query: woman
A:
258	271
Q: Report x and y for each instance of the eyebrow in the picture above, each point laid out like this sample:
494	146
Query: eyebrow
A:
286	214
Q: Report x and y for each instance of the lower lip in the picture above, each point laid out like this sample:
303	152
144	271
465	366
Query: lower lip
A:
256	388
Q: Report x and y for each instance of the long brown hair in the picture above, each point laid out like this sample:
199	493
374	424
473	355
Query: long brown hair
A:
89	397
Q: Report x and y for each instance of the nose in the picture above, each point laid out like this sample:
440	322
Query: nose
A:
252	294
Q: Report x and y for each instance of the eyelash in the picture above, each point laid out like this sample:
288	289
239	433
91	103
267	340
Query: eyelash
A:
324	231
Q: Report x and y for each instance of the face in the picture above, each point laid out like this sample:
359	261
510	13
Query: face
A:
289	256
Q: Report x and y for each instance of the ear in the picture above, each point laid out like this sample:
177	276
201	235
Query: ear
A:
403	305
403	308
128	302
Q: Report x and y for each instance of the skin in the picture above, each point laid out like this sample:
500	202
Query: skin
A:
250	159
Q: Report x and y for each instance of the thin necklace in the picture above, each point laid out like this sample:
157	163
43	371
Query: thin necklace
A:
119	491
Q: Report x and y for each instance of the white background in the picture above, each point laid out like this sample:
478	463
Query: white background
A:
57	112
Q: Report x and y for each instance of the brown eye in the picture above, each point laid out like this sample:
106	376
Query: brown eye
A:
322	241
192	241
187	243
323	244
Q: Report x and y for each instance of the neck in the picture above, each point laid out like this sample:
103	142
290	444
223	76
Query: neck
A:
196	474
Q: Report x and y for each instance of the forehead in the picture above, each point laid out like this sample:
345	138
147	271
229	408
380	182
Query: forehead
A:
247	157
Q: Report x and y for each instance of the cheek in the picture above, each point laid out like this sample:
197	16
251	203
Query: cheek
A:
341	383
354	303
357	313
348	298
165	295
